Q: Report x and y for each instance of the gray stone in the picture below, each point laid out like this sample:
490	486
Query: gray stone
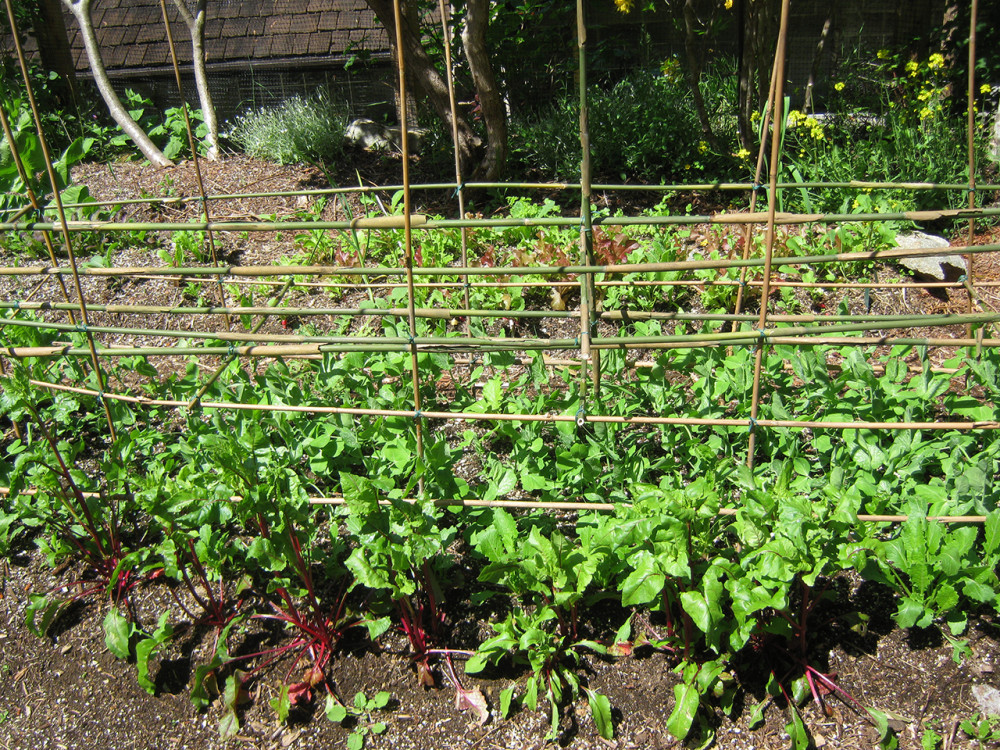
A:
938	267
988	699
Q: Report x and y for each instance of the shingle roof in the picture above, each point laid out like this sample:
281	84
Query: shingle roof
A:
131	32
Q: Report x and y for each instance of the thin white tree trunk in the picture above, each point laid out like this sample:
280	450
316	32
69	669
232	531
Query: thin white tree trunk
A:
81	11
195	22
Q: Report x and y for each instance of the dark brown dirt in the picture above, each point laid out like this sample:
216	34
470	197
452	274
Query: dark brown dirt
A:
67	691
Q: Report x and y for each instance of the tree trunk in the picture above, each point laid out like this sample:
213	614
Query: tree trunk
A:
808	105
81	11
692	42
758	24
423	74
53	48
195	22
491	103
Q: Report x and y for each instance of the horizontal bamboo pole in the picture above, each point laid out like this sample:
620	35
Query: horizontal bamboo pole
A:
611	507
648	363
548	418
172	200
277	351
317	270
423	222
551	505
455	343
444	313
575	284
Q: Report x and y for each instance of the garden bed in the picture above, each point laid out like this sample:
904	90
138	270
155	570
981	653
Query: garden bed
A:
314	599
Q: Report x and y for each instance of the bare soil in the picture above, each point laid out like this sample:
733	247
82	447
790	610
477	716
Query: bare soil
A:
67	691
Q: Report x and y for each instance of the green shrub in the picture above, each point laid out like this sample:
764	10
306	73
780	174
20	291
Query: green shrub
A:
642	128
300	129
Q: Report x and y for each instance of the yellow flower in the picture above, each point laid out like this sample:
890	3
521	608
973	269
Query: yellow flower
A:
924	95
625	6
935	61
702	147
754	116
742	153
985	88
911	67
926	112
796	118
838	86
729	4
882	54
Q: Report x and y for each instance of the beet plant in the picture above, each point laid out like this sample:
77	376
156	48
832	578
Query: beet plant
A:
401	552
672	562
791	548
552	576
80	524
273	506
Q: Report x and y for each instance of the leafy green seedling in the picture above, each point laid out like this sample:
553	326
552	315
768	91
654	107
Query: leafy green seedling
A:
982	727
359	717
930	739
233	696
701	682
532	641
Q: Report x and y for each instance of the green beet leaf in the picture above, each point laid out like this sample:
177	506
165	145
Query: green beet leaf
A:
117	633
600	710
686	702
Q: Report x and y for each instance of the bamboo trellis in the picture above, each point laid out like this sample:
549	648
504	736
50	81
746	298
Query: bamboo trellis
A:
760	330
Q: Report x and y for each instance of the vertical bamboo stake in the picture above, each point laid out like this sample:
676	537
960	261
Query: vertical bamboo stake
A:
459	186
777	123
57	199
33	199
748	231
194	157
17	427
973	13
587	290
408	234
